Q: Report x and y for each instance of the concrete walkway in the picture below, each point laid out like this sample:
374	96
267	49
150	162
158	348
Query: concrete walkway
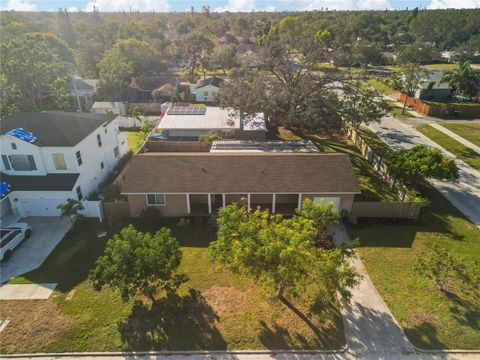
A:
463	194
456	137
26	291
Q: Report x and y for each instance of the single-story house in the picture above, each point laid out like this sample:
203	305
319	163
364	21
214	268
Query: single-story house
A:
431	87
81	91
184	184
206	90
191	122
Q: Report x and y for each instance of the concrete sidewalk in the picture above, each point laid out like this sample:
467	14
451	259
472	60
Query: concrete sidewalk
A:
456	137
26	291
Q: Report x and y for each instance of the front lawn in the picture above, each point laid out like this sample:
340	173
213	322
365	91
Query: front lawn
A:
464	153
469	131
380	86
396	111
215	310
430	319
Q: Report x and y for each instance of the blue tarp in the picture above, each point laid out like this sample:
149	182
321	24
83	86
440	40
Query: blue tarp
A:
23	135
4	189
158	136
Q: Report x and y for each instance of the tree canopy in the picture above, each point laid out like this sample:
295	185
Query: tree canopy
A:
281	252
422	162
139	263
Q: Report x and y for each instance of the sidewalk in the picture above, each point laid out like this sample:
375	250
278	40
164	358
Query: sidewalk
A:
26	291
456	137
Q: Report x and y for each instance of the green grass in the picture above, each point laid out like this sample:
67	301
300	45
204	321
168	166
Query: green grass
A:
380	86
464	153
469	131
215	310
133	144
451	103
430	319
396	111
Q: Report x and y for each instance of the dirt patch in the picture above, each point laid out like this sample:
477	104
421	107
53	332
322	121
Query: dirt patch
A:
420	317
225	300
33	324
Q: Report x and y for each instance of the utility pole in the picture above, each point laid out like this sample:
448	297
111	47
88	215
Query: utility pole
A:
76	91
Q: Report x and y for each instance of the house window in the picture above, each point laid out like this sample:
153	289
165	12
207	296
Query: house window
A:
156	199
115	151
99	140
79	158
6	163
14	146
22	162
105	130
102	165
205	93
79	193
59	161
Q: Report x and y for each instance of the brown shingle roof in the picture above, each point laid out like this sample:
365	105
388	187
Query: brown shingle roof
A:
240	173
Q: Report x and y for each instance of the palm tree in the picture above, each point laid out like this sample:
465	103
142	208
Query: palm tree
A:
71	209
463	79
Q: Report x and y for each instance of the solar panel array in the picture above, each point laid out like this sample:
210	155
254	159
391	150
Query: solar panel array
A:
263	146
187	110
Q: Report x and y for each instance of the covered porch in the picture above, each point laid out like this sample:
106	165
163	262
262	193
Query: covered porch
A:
209	204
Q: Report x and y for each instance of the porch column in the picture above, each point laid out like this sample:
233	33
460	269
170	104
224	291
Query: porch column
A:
273	203
209	203
248	201
299	201
223	200
188	203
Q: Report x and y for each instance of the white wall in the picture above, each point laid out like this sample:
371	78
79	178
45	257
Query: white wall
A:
212	93
23	148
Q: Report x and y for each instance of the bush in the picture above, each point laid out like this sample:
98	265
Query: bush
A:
150	215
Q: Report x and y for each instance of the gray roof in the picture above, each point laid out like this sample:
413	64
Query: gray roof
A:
54	128
262	146
49	182
214	81
240	173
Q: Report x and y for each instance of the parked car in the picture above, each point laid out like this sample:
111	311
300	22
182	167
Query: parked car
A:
11	237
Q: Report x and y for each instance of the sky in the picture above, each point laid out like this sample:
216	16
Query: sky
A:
231	5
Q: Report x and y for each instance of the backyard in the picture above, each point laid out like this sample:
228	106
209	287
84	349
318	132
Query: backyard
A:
215	310
464	153
431	319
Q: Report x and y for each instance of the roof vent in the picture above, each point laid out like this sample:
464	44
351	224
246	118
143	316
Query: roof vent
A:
203	169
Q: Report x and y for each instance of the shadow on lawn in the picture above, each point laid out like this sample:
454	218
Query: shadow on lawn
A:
172	323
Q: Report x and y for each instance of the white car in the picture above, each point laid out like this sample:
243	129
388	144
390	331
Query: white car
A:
11	236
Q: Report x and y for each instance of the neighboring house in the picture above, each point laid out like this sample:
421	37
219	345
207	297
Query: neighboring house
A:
141	88
83	90
109	107
64	155
183	184
191	122
431	87
206	90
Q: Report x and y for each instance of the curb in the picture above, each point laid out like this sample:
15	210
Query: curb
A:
171	353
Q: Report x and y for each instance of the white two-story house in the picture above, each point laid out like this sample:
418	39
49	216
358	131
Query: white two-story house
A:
70	156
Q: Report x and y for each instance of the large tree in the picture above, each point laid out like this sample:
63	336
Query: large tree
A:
190	47
125	60
282	253
289	88
139	263
34	68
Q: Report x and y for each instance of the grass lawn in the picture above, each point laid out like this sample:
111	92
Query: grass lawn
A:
429	318
215	310
396	111
380	86
459	150
133	144
374	188
469	131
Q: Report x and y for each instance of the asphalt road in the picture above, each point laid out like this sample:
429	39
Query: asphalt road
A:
464	194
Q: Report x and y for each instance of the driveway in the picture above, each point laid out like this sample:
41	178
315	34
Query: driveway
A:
464	194
32	252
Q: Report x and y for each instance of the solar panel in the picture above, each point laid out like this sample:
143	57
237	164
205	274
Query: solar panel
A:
187	110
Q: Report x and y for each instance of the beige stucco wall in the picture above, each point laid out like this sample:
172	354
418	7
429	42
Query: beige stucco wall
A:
176	205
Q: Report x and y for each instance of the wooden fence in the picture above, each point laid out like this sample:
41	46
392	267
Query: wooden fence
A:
439	110
378	164
118	208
